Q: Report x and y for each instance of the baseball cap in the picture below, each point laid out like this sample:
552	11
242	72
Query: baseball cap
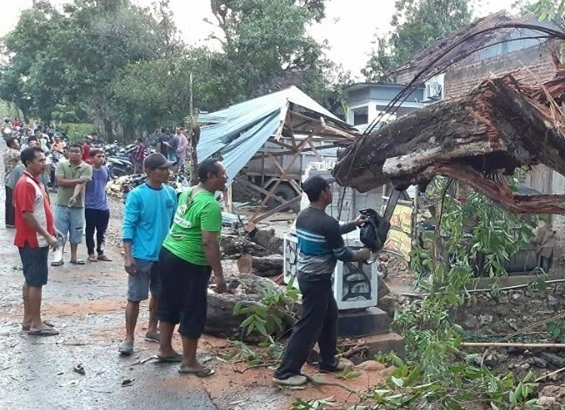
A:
157	160
314	185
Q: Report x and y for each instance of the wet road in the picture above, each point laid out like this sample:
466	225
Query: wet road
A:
86	304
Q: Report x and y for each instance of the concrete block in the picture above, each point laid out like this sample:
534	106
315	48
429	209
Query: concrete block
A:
361	323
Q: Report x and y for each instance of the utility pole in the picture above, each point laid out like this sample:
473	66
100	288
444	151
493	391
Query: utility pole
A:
190	100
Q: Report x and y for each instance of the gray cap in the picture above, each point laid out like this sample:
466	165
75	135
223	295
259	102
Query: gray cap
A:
157	160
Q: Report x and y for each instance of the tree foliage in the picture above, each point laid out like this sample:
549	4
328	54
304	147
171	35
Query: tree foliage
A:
415	25
125	68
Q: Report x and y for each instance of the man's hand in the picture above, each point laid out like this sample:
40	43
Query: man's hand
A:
360	220
129	265
52	242
220	284
362	255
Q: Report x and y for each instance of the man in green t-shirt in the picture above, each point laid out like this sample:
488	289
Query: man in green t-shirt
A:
71	177
190	252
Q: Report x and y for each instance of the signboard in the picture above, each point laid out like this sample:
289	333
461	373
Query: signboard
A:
399	237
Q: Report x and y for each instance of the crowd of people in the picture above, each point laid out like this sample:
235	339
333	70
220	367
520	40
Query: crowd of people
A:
171	248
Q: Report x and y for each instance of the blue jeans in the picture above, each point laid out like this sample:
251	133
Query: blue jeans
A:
70	221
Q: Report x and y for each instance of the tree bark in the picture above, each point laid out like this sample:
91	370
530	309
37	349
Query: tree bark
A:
264	266
498	127
244	289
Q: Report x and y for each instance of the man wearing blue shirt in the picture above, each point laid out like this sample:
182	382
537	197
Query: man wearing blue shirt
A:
148	214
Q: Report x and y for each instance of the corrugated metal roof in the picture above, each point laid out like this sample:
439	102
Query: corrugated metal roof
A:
239	131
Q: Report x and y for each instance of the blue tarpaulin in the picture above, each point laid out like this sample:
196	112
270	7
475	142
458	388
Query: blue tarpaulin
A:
238	132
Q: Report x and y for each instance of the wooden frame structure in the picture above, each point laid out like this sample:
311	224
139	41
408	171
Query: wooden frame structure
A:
297	134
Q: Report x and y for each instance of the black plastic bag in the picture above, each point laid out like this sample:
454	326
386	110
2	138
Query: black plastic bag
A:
374	231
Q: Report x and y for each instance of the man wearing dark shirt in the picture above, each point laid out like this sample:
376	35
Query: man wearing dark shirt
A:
163	142
320	246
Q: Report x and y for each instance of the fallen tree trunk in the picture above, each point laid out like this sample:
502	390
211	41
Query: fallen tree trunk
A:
235	246
498	127
245	289
266	266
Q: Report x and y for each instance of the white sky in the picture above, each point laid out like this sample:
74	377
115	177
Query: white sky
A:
349	27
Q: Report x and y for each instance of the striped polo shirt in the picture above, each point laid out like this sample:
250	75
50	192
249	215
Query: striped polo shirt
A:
320	244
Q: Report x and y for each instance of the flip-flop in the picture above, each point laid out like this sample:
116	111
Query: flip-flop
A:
47	331
204	372
45	323
78	262
171	359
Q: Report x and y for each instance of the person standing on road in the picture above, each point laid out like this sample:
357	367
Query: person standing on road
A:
190	252
163	142
138	157
71	177
35	234
182	150
96	209
320	247
86	149
148	215
11	161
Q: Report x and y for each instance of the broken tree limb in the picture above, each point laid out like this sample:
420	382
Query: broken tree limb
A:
545	376
494	187
518	345
500	126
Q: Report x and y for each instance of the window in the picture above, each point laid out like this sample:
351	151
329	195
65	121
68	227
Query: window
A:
361	116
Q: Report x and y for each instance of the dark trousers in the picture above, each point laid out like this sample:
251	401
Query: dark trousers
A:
9	206
96	220
318	323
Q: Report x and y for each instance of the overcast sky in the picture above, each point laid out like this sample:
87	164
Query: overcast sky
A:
349	27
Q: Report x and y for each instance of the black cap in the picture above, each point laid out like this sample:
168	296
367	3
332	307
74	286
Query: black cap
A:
157	160
315	184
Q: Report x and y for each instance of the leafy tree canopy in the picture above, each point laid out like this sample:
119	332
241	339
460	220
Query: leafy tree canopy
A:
415	25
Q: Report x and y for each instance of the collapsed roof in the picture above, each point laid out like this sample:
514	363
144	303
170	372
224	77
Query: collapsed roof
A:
238	132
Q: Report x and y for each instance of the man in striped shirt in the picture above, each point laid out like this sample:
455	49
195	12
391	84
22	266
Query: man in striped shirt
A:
320	246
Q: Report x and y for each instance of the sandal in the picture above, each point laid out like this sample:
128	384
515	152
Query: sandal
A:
203	372
92	258
46	331
104	258
77	262
171	359
45	323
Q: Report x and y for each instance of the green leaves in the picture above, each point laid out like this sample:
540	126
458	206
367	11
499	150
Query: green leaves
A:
416	25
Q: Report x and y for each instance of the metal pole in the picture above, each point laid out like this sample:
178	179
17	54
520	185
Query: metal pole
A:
190	88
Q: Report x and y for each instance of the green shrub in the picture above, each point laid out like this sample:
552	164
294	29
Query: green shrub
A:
76	132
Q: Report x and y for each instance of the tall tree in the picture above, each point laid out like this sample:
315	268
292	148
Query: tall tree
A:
415	25
266	47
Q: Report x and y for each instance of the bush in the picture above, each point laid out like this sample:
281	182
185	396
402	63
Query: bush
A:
76	132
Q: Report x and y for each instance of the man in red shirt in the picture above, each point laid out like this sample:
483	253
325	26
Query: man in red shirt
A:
35	234
86	149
